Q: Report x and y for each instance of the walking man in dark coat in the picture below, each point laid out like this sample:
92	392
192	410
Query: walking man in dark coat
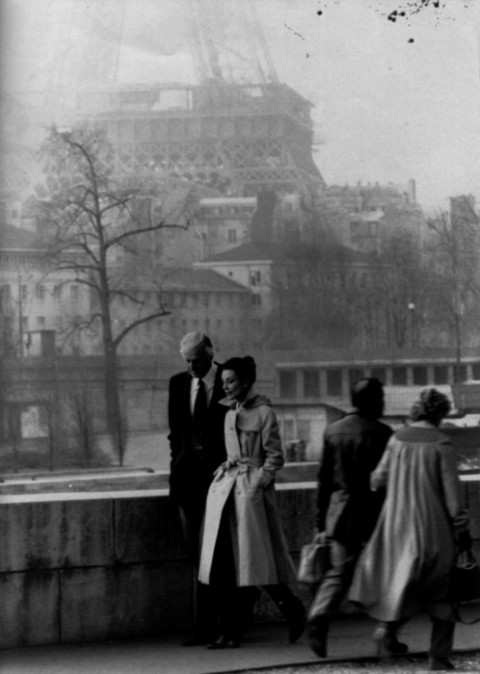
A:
347	509
197	448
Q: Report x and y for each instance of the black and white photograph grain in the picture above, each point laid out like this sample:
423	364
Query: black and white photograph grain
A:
239	336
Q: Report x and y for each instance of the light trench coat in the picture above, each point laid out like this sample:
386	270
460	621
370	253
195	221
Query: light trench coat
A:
404	569
244	485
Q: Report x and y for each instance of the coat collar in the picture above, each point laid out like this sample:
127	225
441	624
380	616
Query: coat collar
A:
423	423
252	399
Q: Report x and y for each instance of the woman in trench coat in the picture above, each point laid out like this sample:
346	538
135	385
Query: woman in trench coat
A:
404	569
243	544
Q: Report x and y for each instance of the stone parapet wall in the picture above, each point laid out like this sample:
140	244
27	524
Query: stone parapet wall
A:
88	567
94	567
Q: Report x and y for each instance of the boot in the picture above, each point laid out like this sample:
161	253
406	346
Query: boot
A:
441	644
294	612
291	608
317	632
224	641
385	639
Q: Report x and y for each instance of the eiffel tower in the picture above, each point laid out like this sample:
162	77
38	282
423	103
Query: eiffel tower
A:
237	131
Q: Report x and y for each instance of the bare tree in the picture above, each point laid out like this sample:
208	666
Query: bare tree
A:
94	231
453	253
398	284
312	289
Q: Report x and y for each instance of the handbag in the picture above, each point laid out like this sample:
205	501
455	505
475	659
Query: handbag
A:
465	582
314	560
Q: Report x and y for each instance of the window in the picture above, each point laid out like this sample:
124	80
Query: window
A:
256	299
311	383
39	292
461	372
24	322
288	430
23	293
41	321
232	236
476	370
288	384
440	374
304	429
334	383
57	292
355	374
420	375
74	293
399	376
379	373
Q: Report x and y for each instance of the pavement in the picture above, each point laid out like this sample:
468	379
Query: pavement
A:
265	648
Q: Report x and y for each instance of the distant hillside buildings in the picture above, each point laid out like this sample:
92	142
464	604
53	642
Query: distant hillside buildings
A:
221	275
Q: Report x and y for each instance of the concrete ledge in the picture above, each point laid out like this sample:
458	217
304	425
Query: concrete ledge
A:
109	565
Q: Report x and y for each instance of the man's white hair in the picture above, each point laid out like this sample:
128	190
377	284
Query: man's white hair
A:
194	342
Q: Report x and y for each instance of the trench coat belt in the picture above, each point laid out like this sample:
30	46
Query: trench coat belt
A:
242	463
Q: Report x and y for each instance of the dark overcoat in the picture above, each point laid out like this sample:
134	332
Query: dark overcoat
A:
346	507
192	470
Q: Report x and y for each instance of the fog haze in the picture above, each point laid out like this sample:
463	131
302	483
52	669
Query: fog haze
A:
393	99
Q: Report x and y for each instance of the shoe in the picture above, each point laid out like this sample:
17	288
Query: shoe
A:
317	630
224	642
294	612
197	640
438	664
296	621
387	644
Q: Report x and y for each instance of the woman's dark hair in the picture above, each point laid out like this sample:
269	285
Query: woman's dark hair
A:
432	406
244	368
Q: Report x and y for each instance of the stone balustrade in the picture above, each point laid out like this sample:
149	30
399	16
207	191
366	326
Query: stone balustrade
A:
94	566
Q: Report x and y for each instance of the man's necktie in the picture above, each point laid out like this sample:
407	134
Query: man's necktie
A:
200	406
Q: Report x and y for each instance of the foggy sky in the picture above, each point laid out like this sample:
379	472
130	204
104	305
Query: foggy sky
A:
393	100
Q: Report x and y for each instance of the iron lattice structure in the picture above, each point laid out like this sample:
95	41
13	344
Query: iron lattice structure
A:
237	131
235	139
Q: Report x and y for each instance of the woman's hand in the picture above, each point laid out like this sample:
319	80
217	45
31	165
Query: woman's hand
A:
262	480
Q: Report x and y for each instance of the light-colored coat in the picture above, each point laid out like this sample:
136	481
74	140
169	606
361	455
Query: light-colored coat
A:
244	484
404	569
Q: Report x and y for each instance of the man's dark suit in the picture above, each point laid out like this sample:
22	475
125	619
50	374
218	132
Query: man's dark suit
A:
191	472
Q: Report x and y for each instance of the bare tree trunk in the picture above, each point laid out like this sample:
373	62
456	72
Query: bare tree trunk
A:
458	349
115	422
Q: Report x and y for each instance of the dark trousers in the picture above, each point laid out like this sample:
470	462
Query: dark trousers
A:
234	605
336	581
204	614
